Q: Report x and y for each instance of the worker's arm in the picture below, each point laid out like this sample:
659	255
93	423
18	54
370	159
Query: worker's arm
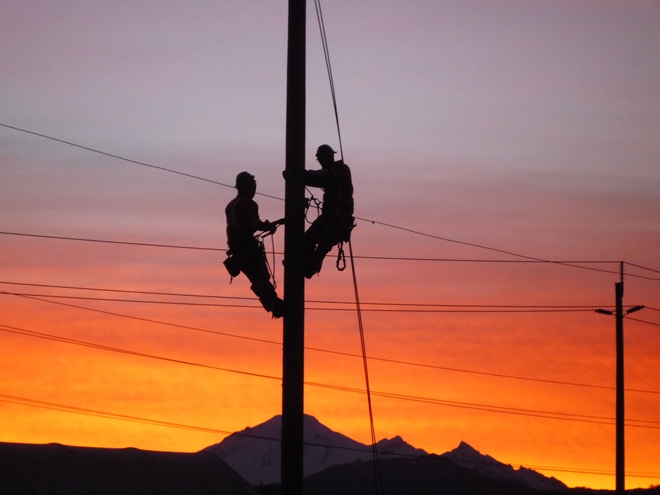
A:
318	178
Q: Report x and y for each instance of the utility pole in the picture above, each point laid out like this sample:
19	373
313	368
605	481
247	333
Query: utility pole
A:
620	395
620	410
293	355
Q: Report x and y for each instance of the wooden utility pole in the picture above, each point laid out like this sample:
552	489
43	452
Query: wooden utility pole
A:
620	410
294	281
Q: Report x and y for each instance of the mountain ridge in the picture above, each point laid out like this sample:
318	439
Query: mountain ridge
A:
255	454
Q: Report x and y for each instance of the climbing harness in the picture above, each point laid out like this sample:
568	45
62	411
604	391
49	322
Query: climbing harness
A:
260	237
232	263
346	228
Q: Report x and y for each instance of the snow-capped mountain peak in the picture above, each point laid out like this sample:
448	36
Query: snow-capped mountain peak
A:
468	457
255	453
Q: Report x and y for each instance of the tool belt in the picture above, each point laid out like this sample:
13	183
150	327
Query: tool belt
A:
232	265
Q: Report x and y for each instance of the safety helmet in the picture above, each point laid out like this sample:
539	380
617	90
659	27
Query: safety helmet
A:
244	179
325	150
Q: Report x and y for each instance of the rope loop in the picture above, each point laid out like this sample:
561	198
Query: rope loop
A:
341	257
312	202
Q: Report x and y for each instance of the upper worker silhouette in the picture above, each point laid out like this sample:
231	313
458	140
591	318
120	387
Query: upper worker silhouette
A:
335	222
246	252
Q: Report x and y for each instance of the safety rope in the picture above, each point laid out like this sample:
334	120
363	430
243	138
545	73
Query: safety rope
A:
272	270
326	53
378	477
260	238
310	202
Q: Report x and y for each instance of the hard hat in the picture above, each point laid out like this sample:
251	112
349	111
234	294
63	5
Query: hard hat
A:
325	150
244	179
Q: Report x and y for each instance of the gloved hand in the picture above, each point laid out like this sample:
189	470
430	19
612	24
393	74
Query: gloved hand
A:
270	227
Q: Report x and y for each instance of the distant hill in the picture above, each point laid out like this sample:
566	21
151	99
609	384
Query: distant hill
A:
54	469
424	475
254	453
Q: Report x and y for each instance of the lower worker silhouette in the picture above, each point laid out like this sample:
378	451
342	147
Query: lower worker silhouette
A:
246	253
335	222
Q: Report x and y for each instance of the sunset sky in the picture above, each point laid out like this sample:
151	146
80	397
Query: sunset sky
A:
506	159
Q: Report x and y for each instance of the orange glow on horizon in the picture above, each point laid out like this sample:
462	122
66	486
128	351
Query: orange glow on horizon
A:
506	383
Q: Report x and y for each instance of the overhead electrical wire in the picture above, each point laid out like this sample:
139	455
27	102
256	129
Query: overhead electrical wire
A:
13	399
428	400
477	307
569	263
107	241
375	222
642	321
24	401
111	155
128	160
642	267
341	353
496	250
470	310
66	340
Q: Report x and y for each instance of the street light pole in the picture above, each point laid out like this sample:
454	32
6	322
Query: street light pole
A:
620	397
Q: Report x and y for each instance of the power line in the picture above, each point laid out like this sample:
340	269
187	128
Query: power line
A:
124	417
643	321
471	309
66	340
315	301
499	409
131	301
446	239
111	155
569	263
341	353
106	241
13	399
157	322
643	267
124	291
497	250
103	414
128	160
464	405
420	233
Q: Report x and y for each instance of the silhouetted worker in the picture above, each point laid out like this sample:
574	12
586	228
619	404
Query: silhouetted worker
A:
246	253
335	222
